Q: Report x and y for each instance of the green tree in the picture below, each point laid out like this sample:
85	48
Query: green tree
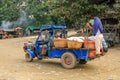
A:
9	10
35	11
76	11
39	10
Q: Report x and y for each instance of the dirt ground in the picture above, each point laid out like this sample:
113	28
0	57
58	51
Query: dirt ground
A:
14	67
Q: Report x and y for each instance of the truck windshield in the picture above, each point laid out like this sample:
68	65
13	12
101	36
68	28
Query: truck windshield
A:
44	36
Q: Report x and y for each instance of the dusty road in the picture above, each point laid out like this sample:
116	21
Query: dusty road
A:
14	67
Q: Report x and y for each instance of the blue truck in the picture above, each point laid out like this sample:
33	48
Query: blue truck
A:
43	48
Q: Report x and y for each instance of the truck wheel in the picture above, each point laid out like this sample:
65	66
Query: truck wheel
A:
82	61
68	60
28	57
39	58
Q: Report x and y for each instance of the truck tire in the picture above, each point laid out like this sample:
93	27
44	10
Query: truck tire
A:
68	60
28	57
82	61
39	58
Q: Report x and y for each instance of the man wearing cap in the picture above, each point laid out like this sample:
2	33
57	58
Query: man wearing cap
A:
97	28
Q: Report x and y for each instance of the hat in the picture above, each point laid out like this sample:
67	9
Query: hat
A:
29	40
91	22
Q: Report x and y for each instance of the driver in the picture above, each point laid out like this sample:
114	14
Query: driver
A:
59	33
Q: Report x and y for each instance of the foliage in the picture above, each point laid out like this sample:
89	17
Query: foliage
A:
8	10
35	11
39	12
76	11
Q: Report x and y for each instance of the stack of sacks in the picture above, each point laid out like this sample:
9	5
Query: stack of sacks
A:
79	39
91	38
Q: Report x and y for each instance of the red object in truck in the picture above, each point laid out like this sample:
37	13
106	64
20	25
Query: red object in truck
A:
89	44
92	54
